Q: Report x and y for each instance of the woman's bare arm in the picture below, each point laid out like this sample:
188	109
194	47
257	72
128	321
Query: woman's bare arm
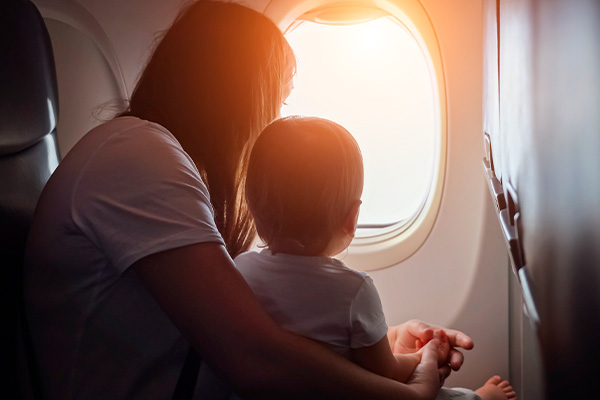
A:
379	359
202	292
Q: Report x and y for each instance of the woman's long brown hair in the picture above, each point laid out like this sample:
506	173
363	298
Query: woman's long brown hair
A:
215	80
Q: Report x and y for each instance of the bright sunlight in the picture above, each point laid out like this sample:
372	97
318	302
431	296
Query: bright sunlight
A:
373	79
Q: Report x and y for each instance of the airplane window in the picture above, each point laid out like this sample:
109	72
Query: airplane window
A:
374	79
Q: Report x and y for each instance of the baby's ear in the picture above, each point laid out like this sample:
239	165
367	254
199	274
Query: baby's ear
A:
352	219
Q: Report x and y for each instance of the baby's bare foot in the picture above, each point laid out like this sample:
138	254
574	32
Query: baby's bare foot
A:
496	389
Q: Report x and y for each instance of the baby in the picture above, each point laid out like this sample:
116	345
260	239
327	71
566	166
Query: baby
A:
304	183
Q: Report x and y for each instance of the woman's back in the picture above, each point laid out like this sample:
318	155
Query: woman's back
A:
97	331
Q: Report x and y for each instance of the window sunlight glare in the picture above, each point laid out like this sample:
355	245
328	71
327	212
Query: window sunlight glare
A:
373	79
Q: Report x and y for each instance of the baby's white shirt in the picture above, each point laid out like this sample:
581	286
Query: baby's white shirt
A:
316	297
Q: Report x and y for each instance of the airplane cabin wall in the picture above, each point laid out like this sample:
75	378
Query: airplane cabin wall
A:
560	206
506	54
458	278
545	152
97	59
84	80
462	267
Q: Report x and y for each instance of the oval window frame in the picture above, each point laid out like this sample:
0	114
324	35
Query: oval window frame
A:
392	245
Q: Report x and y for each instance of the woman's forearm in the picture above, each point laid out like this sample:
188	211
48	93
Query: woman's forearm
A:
406	365
294	367
205	296
299	368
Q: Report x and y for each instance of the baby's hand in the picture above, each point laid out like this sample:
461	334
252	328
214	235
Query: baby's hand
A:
443	348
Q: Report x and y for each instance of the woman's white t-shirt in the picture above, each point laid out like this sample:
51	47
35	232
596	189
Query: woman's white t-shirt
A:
125	191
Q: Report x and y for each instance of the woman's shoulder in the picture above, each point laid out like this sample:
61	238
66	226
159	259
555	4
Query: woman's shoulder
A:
132	153
130	127
122	133
131	140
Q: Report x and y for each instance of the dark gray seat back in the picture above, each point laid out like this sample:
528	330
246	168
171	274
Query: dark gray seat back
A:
28	156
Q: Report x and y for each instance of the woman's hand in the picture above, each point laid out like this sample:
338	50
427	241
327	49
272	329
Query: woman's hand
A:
412	335
425	381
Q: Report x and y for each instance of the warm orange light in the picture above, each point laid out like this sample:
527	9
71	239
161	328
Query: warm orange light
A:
374	79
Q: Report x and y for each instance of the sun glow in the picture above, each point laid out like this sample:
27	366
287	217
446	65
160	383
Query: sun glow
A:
374	79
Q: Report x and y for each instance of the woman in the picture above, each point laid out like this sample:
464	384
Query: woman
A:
127	262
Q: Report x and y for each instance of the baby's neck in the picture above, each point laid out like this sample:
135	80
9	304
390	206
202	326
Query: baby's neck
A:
295	250
291	246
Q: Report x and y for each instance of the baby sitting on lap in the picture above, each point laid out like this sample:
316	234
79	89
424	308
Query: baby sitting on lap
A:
304	183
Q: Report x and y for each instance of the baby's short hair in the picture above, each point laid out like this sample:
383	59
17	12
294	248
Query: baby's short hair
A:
304	175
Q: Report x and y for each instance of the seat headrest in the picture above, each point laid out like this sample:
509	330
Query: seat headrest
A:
28	89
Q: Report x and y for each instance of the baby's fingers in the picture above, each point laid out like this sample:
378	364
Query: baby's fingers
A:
456	359
430	353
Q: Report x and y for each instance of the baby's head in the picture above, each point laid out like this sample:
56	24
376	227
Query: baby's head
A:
305	179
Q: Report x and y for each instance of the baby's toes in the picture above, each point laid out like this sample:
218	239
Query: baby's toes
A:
494	380
508	391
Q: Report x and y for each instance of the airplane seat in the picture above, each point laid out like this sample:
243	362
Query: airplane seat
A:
28	156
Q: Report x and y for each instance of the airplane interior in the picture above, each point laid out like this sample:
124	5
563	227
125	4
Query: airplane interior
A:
478	123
